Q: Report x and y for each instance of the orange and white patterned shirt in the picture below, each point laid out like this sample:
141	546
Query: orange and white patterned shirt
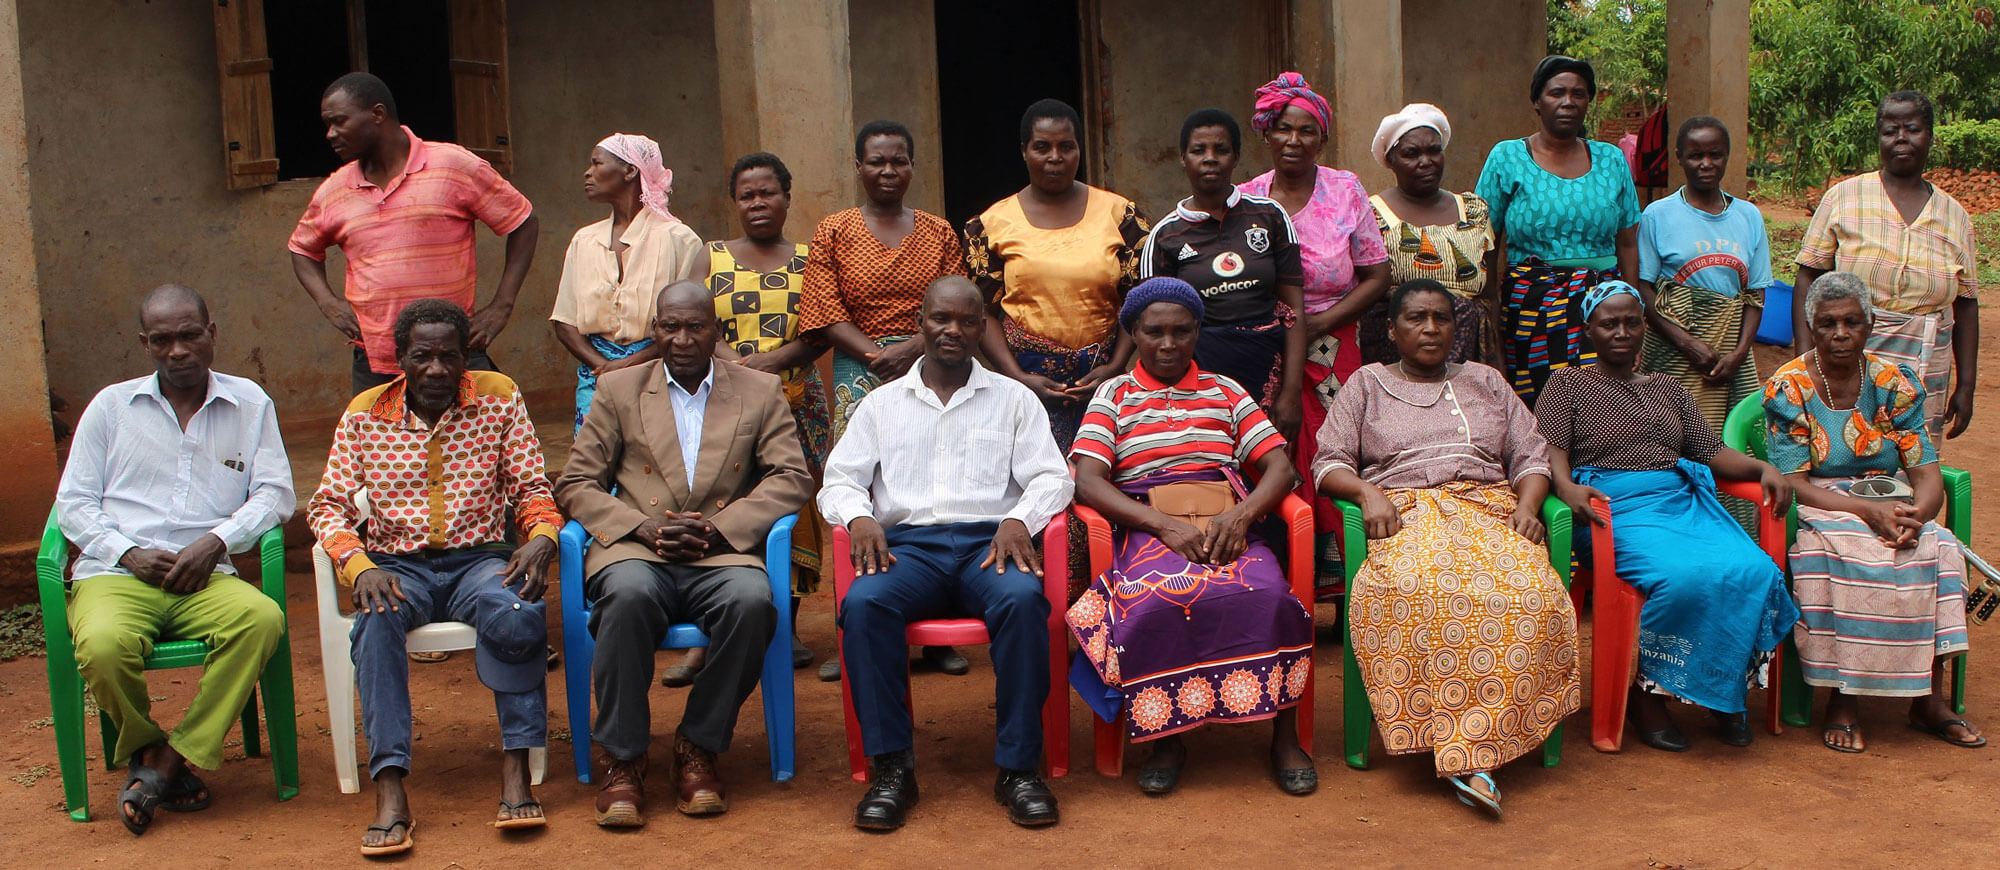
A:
431	488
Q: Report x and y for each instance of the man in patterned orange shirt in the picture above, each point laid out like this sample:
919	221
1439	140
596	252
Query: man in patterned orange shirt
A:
413	510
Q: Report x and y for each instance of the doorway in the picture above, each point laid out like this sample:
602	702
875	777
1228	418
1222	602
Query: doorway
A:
993	60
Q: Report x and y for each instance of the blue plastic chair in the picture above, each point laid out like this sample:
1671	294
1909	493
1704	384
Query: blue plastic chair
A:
776	683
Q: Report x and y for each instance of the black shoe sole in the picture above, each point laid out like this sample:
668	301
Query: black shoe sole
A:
877	824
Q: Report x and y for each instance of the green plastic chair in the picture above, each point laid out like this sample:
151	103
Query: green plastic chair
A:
1743	430
1357	717
66	684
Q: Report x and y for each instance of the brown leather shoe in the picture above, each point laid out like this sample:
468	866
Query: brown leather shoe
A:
622	801
697	787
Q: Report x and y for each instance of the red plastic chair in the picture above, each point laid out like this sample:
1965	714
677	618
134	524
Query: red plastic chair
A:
1109	737
1615	622
961	632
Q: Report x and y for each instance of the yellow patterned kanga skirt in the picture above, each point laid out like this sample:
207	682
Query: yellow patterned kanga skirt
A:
1464	633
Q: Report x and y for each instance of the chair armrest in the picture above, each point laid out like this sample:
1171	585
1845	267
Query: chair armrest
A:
840	550
777	556
1957	501
49	565
1561	528
1603	550
1742	429
271	563
570	545
1353	537
1097	530
1770	529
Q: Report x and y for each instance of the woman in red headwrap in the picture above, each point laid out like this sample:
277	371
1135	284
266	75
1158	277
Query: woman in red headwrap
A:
1341	252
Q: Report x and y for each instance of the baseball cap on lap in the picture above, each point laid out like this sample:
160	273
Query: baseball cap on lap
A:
511	652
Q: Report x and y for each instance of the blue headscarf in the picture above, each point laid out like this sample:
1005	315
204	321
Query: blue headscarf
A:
1596	296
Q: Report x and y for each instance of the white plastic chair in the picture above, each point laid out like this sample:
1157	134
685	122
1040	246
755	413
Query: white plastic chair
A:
337	664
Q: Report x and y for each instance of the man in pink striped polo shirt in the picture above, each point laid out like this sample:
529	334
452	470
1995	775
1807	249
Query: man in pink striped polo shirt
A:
401	210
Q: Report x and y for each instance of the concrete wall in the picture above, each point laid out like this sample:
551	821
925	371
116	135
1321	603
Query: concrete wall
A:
894	74
1483	88
1157	61
125	162
30	468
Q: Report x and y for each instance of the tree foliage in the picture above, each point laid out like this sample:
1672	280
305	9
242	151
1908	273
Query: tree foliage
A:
1819	67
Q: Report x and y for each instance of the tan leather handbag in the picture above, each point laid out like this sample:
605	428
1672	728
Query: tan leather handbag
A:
1196	501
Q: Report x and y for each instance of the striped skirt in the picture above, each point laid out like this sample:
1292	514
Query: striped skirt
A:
1542	324
1922	342
1874	620
1716	320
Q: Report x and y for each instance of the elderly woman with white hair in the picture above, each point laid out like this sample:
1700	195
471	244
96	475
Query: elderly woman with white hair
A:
1433	233
1880	583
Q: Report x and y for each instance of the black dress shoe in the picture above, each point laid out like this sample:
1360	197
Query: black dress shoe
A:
1668	739
947	660
892	791
1029	802
1735	728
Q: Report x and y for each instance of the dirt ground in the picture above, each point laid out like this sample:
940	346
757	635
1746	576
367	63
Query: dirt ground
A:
1783	802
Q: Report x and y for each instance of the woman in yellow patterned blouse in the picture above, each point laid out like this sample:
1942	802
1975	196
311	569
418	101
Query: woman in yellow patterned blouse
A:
757	280
1054	262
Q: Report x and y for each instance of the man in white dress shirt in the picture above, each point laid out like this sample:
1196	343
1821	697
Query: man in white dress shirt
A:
942	479
169	474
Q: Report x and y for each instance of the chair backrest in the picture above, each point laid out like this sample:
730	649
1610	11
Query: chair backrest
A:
1743	429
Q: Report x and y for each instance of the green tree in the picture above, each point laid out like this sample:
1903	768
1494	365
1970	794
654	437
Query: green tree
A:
1818	68
1625	41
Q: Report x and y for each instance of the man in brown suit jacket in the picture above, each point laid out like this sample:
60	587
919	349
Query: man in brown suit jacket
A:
704	460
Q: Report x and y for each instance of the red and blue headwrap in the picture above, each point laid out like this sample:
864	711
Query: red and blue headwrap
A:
1287	90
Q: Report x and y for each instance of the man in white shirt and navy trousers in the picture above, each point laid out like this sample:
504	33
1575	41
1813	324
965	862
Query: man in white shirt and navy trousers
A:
942	479
167	475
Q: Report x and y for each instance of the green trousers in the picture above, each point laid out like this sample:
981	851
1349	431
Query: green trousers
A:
116	619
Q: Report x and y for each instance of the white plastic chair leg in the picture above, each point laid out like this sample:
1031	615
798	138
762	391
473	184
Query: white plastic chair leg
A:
340	705
538	764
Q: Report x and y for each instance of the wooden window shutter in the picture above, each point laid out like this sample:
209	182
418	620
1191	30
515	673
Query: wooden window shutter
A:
250	147
479	79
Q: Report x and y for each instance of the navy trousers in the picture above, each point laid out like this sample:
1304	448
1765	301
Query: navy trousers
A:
937	576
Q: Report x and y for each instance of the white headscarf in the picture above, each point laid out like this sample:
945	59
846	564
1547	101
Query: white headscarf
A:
1410	118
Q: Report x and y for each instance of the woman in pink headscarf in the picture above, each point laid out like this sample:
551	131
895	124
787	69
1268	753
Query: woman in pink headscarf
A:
1346	267
613	271
614	267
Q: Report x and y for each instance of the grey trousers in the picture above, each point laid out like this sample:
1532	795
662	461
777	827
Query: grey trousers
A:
632	603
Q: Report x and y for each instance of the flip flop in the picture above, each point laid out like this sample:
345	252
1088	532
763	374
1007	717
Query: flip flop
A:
517	823
144	788
1844	729
429	658
186	785
1473	797
409	839
1942	731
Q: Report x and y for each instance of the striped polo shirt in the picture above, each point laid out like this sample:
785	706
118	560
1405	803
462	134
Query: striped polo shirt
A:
1139	426
410	241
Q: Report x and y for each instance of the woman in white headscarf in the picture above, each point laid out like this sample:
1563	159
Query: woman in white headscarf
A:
1432	233
615	267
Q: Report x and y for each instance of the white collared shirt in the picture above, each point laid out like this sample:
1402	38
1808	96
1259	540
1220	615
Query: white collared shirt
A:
135	479
909	459
690	411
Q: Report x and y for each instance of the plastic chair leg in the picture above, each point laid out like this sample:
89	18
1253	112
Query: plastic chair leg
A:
253	739
109	734
1358	719
579	653
1797	694
1614	636
1774	692
538	764
1958	684
1109	741
66	707
779	708
857	761
1055	710
340	703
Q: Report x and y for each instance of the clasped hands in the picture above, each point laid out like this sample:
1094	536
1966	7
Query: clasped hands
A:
1223	542
680	537
180	573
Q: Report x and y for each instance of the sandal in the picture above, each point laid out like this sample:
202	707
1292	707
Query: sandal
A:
187	793
508	821
144	788
1941	729
400	846
429	658
1473	797
1844	729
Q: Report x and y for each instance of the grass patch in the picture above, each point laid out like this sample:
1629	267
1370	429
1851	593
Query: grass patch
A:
32	775
21	632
